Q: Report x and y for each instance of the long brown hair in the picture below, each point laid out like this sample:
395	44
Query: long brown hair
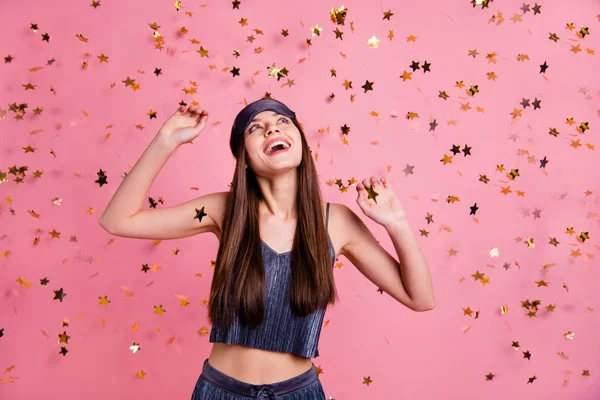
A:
239	281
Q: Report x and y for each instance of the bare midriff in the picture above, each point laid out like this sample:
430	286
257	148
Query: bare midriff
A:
256	366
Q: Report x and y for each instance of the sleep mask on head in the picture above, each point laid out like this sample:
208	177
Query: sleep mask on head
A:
244	117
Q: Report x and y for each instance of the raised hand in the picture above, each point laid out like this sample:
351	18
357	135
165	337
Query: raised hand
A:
379	202
184	125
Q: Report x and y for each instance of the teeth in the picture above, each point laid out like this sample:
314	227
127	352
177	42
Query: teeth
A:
268	151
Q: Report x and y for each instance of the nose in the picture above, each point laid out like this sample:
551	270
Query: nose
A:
270	130
271	126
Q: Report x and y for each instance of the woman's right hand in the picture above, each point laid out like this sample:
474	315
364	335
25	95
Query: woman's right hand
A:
184	125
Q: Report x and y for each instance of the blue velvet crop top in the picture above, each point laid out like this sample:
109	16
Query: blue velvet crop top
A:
281	330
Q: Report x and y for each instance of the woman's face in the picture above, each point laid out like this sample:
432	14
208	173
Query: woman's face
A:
266	126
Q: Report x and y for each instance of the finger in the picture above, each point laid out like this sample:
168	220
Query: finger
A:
386	184
362	196
201	117
366	183
203	120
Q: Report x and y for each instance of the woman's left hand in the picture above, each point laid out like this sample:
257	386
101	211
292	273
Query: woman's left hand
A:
379	202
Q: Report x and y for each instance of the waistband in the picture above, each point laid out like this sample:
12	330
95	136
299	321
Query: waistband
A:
273	390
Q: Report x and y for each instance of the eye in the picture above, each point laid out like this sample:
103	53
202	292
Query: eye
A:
282	118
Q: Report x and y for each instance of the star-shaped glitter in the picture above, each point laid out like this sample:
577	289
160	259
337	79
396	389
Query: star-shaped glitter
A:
59	295
372	193
433	125
203	52
200	214
63	338
474	209
368	86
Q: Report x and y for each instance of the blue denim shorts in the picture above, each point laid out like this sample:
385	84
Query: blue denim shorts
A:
215	385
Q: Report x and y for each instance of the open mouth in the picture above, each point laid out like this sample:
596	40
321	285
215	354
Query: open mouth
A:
277	147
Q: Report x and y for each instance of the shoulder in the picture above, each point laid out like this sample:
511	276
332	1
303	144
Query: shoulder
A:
351	233
341	217
340	212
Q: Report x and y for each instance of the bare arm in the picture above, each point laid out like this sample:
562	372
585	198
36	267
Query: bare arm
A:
124	216
130	195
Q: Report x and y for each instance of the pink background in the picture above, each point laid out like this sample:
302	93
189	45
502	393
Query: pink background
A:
86	125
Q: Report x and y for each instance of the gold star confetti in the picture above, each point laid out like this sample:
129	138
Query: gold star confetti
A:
183	300
339	16
315	30
135	347
21	281
104	301
159	310
569	335
373	42
59	294
63	338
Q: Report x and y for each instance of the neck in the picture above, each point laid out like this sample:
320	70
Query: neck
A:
278	201
282	207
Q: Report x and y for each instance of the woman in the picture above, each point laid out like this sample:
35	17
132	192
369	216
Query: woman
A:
273	277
